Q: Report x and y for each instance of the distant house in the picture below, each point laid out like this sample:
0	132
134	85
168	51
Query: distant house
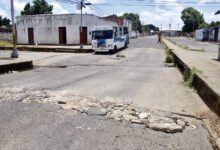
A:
208	34
170	33
57	29
120	21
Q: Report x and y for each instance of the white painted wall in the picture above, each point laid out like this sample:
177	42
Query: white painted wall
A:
6	36
46	27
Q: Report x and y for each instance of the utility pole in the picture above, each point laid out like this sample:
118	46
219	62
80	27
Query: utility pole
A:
14	53
81	7
170	28
193	27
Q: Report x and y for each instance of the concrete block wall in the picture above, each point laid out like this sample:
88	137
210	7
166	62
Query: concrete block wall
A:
6	36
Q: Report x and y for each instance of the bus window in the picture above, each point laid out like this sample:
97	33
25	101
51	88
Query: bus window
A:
102	34
121	31
125	30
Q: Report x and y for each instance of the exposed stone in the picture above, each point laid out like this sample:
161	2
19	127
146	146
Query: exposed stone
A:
118	105
129	112
129	117
77	108
131	109
61	102
96	111
118	108
144	115
145	121
137	121
164	124
181	123
115	114
166	127
192	126
118	119
160	119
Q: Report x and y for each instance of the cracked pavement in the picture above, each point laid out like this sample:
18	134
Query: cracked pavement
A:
140	79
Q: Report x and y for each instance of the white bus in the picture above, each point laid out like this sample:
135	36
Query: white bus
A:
109	39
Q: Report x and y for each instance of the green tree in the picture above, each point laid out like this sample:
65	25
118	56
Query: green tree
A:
38	7
27	10
203	25
191	19
135	18
150	27
213	23
4	22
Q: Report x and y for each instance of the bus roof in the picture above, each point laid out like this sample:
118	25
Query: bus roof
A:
103	28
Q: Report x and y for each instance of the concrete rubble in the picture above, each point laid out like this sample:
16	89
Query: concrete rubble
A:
158	121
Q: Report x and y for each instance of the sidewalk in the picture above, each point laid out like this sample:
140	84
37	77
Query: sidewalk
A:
53	48
207	79
10	64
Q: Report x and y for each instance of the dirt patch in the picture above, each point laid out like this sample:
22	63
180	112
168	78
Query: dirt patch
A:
214	121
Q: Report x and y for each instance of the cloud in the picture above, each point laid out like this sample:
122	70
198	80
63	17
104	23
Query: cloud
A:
58	9
209	17
18	5
200	2
164	15
87	10
97	1
120	13
4	14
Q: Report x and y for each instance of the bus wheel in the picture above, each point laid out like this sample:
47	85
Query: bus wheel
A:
115	48
126	45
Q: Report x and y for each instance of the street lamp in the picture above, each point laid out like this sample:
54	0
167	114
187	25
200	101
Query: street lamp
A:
14	53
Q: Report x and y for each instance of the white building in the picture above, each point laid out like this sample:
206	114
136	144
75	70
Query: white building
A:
57	29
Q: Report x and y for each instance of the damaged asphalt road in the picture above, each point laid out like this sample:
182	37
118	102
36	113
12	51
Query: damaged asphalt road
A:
52	107
45	126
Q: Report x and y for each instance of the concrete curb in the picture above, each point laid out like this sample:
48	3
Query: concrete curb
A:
208	95
5	68
58	50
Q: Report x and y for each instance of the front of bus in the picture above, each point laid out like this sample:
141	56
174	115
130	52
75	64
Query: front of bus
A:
103	39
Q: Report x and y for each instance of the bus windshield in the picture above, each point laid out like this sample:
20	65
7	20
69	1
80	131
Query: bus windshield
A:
102	34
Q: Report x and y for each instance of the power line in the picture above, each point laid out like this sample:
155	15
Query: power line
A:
69	1
98	8
153	5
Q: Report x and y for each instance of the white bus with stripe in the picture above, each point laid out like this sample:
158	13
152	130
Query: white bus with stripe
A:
109	39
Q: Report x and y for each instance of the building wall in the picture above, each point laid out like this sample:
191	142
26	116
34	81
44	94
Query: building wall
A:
46	27
6	36
120	21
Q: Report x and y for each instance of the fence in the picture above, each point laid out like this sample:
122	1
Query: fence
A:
6	36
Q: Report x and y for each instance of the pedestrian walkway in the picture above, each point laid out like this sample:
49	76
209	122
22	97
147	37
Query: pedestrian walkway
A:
206	64
53	48
192	44
9	64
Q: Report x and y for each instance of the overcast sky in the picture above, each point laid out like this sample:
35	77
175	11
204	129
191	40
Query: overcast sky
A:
157	12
